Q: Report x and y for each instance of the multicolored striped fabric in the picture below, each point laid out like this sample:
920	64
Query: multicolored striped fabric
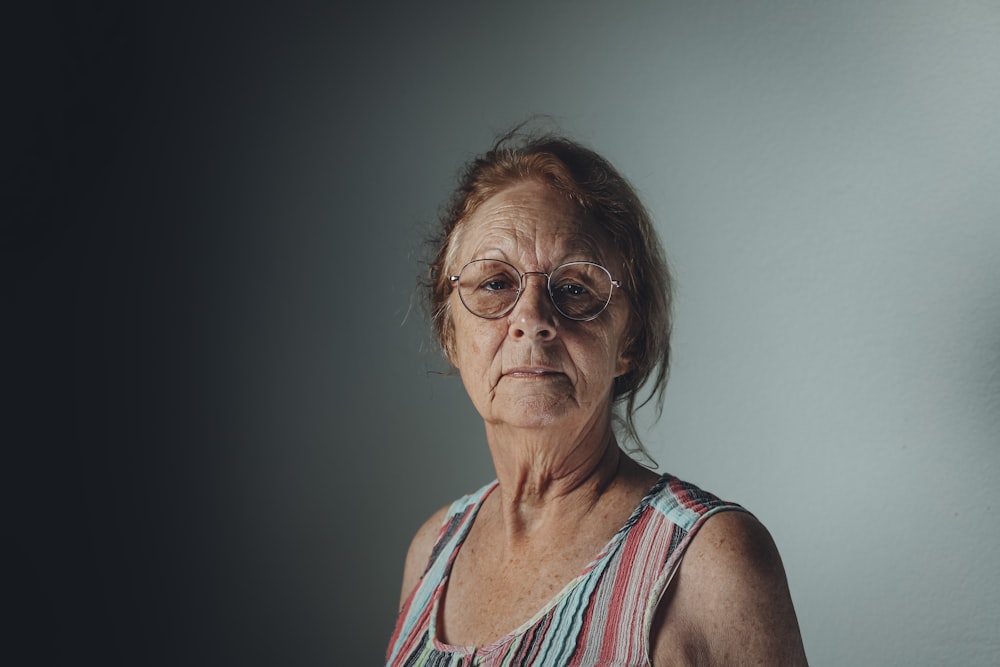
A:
603	617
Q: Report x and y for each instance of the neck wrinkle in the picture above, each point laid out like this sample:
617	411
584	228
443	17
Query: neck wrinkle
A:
532	497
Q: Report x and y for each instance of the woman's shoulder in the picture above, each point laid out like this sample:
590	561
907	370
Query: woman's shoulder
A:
734	544
420	551
730	597
427	536
686	504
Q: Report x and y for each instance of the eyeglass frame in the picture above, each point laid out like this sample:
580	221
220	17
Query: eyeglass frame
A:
548	288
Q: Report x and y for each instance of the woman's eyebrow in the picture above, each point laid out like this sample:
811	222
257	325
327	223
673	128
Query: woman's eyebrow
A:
586	246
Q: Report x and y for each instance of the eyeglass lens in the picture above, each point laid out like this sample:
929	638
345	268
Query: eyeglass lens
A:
490	288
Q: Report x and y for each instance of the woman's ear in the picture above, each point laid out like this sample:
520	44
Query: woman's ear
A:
626	355
448	341
623	365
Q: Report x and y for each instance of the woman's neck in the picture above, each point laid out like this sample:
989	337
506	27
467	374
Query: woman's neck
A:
545	482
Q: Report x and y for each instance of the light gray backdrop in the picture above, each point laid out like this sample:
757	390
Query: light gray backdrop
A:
826	180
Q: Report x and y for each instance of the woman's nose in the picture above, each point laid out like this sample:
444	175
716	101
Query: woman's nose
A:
533	315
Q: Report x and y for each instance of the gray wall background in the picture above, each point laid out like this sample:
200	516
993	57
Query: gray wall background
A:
230	418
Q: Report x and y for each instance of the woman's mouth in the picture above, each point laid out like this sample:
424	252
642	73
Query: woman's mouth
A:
532	372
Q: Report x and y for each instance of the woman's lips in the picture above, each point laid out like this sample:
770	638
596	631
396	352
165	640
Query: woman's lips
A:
532	372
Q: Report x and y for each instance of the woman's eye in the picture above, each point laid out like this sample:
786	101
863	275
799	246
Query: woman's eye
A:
497	284
571	289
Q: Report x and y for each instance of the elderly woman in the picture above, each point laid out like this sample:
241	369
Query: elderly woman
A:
550	295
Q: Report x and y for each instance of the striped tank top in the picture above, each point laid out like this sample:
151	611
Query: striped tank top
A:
602	617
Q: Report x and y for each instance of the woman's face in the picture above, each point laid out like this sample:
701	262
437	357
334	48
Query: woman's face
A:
533	367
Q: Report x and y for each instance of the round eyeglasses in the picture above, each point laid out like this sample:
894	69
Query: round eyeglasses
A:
490	288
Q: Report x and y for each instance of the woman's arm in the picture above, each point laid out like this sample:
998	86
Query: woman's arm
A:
729	602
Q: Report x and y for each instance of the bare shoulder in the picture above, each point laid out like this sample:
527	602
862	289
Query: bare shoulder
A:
420	551
729	602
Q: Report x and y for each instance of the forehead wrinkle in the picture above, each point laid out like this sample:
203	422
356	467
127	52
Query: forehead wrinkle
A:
514	239
514	228
567	248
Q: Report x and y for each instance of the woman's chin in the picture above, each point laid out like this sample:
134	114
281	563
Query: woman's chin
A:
536	410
